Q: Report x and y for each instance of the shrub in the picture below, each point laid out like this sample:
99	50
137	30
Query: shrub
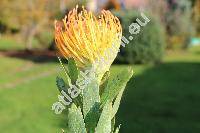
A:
196	16
147	46
179	23
176	16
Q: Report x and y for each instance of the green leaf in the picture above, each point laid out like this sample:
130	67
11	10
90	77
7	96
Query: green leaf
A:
112	124
61	84
104	124
92	118
65	71
117	129
115	85
91	104
104	82
73	70
90	96
117	103
105	77
76	123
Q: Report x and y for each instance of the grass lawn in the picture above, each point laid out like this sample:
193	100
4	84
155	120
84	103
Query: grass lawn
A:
158	99
8	43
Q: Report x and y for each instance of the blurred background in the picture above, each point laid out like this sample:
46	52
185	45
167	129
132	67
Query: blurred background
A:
163	95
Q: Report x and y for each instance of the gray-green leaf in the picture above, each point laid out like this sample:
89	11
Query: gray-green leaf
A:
104	124
117	103
117	129
115	85
104	82
76	123
91	104
90	96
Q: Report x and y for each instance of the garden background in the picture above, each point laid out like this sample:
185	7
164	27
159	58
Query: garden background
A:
162	96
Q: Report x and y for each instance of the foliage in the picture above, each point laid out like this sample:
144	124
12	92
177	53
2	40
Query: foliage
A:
197	16
30	18
176	16
94	112
147	46
179	17
158	10
179	22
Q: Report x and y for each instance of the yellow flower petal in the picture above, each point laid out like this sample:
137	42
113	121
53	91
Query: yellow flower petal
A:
88	39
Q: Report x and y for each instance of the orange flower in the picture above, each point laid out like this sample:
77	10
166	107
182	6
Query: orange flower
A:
85	38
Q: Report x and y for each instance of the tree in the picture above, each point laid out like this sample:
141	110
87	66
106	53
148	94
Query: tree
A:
176	15
29	16
196	15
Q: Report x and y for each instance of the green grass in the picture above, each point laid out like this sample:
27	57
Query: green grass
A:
9	43
158	99
164	98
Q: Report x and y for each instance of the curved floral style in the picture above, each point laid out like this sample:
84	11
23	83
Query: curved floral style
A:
85	38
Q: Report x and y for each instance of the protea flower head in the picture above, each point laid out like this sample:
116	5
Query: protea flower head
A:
89	39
